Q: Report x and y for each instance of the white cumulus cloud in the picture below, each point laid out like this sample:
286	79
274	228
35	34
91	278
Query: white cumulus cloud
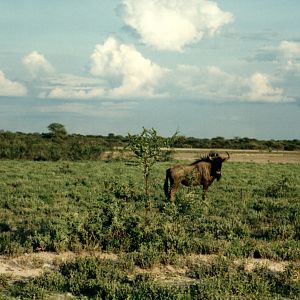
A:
214	84
127	70
290	56
262	90
11	88
173	24
37	64
289	49
69	86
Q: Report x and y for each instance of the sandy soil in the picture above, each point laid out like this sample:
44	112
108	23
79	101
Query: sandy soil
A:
34	264
243	155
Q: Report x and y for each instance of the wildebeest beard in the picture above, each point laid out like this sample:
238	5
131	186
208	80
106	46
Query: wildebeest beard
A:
218	176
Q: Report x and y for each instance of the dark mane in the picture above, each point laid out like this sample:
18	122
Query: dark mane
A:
198	160
206	158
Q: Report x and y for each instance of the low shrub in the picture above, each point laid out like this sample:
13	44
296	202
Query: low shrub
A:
219	278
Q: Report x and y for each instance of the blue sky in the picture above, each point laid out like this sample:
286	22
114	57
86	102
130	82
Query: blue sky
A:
205	68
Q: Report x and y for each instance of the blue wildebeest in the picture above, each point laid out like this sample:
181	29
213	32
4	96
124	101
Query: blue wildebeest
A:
201	172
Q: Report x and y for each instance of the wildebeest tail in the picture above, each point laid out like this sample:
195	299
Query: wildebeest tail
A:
166	184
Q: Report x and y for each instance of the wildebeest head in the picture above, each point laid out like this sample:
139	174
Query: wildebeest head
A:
216	164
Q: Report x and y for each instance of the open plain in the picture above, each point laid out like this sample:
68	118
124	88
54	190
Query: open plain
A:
86	229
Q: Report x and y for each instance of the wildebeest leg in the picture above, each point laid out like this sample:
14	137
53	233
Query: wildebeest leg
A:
173	190
204	193
169	193
166	184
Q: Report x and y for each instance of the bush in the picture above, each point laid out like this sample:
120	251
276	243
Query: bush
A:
107	279
281	188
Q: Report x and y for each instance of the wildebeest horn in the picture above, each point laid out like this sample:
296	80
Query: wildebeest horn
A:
209	156
226	158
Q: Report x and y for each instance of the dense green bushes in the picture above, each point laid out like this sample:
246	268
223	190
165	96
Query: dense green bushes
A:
48	147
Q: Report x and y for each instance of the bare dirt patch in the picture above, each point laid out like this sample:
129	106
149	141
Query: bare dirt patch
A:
34	264
254	156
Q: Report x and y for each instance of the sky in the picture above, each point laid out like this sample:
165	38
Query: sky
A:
203	68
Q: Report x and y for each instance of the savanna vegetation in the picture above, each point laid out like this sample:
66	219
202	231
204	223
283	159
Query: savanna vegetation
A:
57	144
253	212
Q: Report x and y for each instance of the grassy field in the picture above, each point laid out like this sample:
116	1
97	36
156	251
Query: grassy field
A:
200	248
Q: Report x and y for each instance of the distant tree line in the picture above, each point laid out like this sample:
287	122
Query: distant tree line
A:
57	144
238	143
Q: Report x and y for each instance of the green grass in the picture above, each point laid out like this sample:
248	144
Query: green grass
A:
254	211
